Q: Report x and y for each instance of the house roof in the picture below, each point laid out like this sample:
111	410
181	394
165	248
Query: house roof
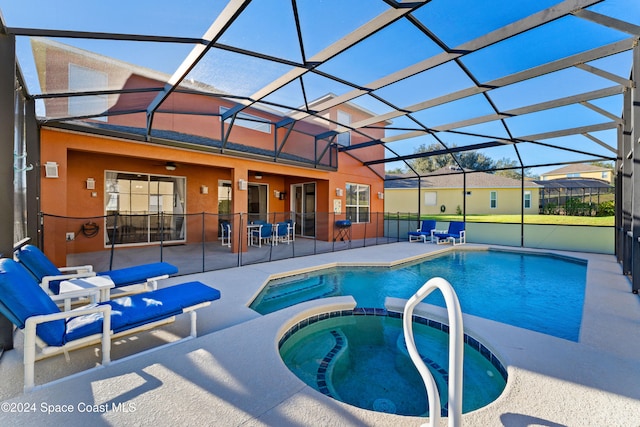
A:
574	183
576	168
450	178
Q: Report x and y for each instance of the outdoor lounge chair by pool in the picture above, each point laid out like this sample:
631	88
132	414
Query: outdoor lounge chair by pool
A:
51	276
28	306
424	232
455	232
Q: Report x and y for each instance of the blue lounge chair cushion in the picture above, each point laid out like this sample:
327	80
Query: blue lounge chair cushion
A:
21	297
139	273
40	266
455	228
425	228
140	309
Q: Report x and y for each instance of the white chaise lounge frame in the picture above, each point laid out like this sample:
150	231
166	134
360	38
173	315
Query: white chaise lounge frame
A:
32	342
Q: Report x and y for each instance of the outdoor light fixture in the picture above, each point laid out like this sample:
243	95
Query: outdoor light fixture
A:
258	175
170	166
380	195
276	194
204	189
51	170
339	192
91	184
242	184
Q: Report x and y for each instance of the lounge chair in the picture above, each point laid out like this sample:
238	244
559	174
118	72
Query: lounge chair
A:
455	232
51	276
424	232
28	306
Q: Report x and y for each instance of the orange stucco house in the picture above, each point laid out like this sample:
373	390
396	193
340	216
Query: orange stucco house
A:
196	160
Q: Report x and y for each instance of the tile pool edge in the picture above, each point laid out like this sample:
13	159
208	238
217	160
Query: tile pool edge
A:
474	343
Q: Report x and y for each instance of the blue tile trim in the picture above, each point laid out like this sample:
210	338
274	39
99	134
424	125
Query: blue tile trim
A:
359	311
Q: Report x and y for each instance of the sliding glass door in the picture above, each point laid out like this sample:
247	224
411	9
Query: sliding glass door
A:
143	208
304	208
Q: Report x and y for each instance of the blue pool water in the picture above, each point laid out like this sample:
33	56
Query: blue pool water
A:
363	361
537	292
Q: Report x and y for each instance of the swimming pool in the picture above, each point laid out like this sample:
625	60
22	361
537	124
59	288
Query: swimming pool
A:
542	293
359	357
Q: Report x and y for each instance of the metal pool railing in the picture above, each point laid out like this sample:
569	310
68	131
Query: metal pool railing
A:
456	351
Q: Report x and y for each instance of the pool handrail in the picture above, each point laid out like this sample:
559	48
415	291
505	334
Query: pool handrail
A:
456	351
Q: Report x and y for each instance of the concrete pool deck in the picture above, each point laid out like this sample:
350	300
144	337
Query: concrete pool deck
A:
232	375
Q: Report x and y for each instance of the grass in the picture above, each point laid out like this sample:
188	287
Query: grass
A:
530	219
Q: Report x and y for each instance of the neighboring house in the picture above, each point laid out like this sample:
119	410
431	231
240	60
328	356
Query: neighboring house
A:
442	192
589	184
579	170
255	162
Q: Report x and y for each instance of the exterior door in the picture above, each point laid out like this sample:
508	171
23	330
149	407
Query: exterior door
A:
304	208
257	207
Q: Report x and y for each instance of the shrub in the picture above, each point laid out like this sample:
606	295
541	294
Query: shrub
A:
576	207
550	209
607	208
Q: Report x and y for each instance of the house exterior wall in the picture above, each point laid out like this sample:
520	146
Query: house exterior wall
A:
81	156
509	201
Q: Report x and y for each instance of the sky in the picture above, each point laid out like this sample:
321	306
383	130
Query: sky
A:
267	27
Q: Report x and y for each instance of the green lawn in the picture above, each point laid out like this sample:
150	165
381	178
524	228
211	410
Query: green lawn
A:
528	219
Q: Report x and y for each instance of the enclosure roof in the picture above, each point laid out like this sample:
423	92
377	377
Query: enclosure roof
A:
576	168
533	83
563	183
446	178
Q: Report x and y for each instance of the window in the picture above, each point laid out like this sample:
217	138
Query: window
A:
344	138
493	199
143	208
430	198
527	199
357	205
573	175
83	79
248	121
605	175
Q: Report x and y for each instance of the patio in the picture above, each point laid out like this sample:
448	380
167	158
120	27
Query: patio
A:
215	379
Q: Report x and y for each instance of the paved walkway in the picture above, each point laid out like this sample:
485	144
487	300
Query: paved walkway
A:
232	375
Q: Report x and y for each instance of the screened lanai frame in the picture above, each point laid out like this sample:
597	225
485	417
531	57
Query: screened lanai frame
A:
540	83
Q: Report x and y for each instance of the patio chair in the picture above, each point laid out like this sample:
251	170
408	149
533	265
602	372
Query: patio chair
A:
455	232
424	232
283	233
28	307
225	233
292	229
260	233
51	276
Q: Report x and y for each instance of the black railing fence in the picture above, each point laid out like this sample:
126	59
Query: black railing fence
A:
204	241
